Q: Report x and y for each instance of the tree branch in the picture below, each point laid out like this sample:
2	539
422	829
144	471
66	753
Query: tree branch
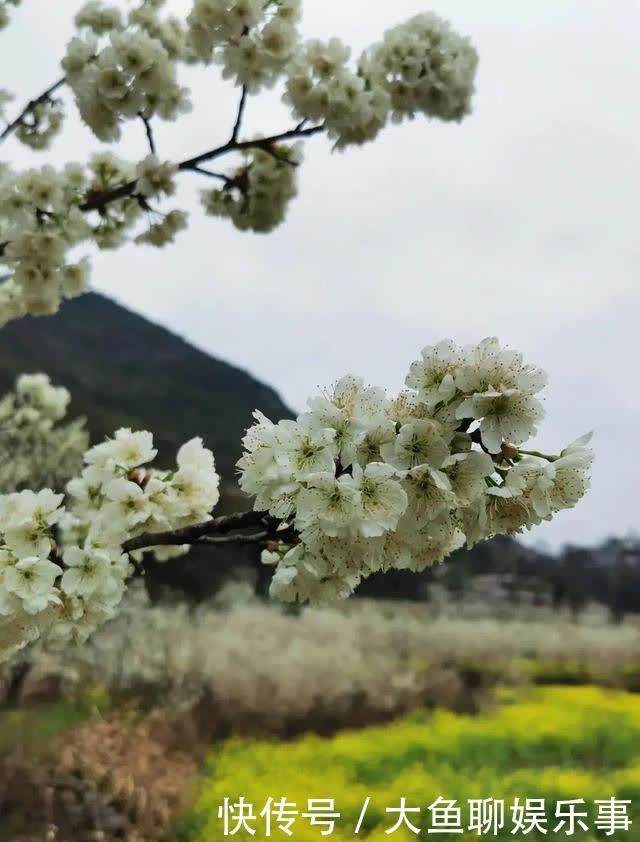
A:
149	133
29	107
212	174
238	123
101	199
214	531
238	146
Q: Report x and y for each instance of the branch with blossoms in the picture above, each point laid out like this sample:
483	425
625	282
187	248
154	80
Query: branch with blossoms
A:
28	119
122	67
359	483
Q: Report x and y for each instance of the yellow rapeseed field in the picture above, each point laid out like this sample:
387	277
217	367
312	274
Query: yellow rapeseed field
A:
545	743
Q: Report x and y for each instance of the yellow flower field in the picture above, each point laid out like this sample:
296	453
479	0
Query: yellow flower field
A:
552	743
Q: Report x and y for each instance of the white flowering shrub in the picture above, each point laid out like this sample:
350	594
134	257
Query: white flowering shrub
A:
38	448
122	65
359	483
369	655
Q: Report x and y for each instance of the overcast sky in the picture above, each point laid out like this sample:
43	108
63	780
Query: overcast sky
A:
520	222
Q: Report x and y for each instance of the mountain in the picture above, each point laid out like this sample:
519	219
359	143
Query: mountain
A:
125	371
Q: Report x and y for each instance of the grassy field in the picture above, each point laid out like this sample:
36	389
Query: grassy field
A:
552	743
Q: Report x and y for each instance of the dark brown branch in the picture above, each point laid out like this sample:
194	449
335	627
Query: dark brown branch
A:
239	146
149	132
238	123
29	107
219	526
212	174
101	199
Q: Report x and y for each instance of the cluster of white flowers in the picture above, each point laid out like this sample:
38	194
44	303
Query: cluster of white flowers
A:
256	196
421	65
39	222
102	18
42	124
99	17
62	570
170	31
132	75
320	87
425	66
160	233
36	450
368	483
122	65
253	40
4	11
359	483
154	177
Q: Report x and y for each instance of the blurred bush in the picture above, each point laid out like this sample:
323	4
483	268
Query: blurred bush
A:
257	667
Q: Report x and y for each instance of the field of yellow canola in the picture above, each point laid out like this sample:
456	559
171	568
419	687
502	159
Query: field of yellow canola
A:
554	744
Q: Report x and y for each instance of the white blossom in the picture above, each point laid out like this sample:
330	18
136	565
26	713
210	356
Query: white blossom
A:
155	177
127	449
507	415
370	483
87	571
255	197
32	581
382	498
251	39
131	75
424	66
418	443
433	377
99	17
329	502
322	88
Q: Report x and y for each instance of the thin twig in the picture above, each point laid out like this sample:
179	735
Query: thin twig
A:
29	107
280	157
212	174
238	123
149	133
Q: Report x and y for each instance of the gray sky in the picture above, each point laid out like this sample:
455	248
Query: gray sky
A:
520	222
